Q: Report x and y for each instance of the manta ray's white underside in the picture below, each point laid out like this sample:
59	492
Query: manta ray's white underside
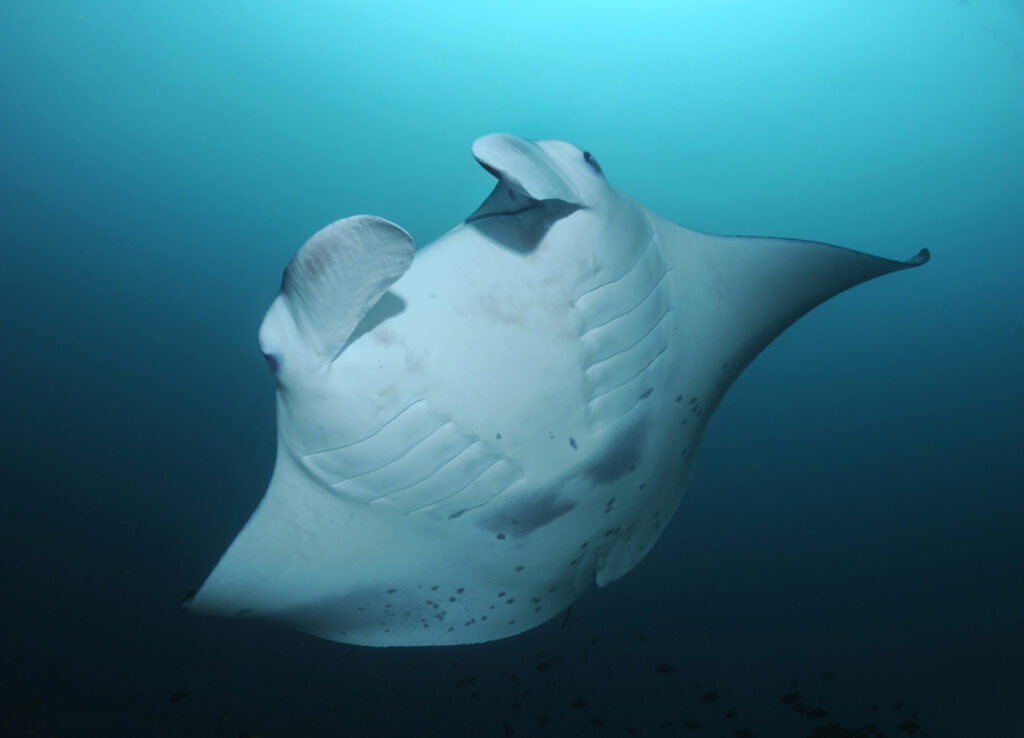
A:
469	438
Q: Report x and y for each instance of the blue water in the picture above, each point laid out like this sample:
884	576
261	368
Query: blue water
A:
853	530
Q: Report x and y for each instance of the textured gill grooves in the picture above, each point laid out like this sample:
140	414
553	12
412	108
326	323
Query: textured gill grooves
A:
426	472
495	477
402	454
619	400
418	460
639	257
625	333
386	423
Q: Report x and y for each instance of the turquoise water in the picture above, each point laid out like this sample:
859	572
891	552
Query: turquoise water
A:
857	506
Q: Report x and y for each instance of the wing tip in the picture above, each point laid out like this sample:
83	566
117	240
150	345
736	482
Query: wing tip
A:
921	257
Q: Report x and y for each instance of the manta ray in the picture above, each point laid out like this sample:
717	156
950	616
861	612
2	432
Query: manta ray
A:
471	436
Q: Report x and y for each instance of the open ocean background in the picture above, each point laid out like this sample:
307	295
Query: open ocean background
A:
855	528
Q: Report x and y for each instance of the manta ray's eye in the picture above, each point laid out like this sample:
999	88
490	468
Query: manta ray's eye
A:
589	158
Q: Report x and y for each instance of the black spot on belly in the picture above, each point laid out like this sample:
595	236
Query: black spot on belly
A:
619	458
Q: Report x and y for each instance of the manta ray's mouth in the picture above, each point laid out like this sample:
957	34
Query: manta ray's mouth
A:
480	214
505	199
509	200
516	220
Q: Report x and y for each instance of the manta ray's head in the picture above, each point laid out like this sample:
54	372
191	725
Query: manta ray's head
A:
539	183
